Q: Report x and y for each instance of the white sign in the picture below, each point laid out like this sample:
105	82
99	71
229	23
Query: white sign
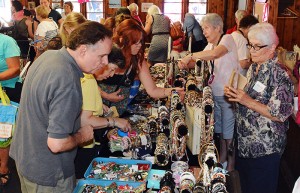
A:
114	3
145	6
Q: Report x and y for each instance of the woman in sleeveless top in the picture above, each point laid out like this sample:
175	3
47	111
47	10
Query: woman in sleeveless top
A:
46	30
23	28
159	25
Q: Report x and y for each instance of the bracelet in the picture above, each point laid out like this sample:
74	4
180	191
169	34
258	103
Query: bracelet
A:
108	123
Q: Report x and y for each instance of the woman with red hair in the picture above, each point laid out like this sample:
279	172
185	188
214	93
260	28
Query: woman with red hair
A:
129	36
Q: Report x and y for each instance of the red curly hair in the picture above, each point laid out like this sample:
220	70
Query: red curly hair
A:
127	33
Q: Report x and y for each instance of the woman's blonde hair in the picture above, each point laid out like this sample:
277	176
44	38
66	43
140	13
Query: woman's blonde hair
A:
42	11
153	10
71	21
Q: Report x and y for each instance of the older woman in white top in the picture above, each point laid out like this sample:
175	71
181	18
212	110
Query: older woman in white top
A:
221	54
46	29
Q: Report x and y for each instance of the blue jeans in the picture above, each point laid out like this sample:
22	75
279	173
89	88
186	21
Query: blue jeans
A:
224	117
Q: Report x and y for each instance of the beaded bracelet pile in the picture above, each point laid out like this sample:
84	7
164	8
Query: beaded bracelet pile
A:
174	99
218	180
121	172
187	182
208	108
207	158
152	128
178	167
161	153
167	184
179	134
191	83
112	188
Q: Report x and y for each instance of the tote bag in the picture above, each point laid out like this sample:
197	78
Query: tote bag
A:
8	114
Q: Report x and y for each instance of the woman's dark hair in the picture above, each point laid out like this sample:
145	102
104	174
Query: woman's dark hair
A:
27	12
123	10
116	57
70	4
248	21
55	43
17	5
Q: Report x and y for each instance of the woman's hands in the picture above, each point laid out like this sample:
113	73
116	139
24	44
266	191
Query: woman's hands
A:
123	124
113	97
237	95
183	63
181	92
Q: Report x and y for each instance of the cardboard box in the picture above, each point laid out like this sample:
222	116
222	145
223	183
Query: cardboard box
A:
261	11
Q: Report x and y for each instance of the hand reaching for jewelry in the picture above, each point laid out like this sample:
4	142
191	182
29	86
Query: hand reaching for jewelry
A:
114	96
183	63
123	124
105	108
181	93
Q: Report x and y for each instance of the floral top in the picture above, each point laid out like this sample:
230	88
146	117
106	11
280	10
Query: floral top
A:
257	135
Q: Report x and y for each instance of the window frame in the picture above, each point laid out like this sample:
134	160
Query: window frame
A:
185	7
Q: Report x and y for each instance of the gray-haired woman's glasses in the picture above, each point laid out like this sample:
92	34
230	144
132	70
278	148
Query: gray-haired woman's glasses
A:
256	48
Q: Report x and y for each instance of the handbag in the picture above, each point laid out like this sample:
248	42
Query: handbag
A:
8	114
175	31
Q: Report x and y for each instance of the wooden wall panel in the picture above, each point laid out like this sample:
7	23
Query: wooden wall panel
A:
288	30
273	12
296	32
280	30
212	6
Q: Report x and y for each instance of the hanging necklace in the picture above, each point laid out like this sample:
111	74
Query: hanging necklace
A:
212	65
241	32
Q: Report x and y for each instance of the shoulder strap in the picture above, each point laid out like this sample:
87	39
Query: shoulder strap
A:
3	96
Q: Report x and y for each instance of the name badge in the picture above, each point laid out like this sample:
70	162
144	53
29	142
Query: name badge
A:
259	87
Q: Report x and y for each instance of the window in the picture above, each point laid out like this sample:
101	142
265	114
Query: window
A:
94	10
5	13
198	8
76	5
173	9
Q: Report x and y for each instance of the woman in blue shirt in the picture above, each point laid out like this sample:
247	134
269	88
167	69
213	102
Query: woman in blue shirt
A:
9	76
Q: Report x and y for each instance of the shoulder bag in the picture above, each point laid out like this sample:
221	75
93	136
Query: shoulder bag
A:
8	114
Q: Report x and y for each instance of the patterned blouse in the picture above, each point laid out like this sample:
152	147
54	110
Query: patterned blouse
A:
257	135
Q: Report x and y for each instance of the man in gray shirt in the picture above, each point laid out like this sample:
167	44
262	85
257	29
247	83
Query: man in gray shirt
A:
48	125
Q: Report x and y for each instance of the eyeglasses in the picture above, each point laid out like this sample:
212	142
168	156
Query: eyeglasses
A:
256	48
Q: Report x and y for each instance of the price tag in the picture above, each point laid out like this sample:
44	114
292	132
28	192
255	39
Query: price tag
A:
5	130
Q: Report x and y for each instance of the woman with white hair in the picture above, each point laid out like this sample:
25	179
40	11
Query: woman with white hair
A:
134	10
239	14
263	108
159	25
221	54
